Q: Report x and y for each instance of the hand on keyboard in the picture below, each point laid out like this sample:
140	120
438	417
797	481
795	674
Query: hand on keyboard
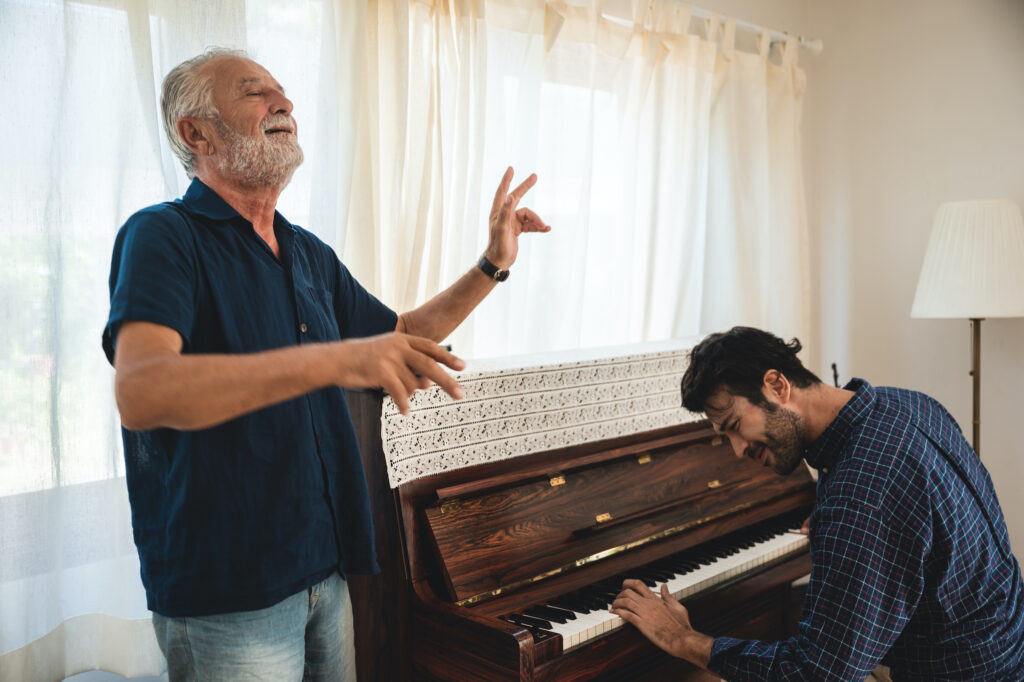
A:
660	617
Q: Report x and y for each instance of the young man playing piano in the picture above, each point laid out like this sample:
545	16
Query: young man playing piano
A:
232	332
911	558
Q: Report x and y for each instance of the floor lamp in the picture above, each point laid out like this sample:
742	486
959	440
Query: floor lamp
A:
973	268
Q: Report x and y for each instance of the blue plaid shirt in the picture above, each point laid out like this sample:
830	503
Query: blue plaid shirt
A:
910	568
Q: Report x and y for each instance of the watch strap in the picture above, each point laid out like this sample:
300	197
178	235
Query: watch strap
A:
492	270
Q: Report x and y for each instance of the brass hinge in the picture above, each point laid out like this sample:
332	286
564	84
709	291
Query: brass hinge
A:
716	441
715	484
603	518
643	458
556	479
450	505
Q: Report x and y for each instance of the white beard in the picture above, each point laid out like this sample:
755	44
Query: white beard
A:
264	161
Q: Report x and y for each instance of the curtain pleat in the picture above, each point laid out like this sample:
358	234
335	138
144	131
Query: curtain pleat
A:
668	163
669	166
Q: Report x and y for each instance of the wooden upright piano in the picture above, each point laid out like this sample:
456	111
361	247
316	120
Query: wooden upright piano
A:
500	555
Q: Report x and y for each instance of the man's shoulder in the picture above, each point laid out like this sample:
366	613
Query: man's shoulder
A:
914	408
876	453
888	442
167	214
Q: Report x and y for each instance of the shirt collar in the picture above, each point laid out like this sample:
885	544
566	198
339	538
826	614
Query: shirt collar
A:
824	451
204	201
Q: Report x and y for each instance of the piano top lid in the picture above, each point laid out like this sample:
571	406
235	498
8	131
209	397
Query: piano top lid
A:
575	355
504	539
536	403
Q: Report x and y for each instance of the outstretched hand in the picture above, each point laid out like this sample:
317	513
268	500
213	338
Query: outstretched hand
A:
398	363
507	221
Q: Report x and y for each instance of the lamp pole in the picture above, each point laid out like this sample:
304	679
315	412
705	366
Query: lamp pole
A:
976	374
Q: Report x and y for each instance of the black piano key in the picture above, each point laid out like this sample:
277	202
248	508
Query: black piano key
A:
551	613
602	598
569	614
572	602
539	635
529	621
580	601
646	579
659	573
591	597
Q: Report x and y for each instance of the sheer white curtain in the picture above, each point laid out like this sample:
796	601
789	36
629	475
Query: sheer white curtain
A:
669	167
756	221
84	150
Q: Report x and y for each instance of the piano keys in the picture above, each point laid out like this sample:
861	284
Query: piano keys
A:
581	616
481	564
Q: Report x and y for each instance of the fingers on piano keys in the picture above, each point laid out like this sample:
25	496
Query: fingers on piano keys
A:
583	615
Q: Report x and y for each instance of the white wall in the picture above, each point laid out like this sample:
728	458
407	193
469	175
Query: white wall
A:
912	103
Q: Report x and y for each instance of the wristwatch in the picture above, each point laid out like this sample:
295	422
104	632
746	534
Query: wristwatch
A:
492	270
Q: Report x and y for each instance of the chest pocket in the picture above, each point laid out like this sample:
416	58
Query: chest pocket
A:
317	313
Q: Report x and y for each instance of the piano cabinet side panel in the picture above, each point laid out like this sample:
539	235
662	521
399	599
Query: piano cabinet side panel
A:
451	643
381	603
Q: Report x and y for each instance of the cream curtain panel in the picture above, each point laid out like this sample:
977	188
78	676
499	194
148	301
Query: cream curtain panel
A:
85	150
669	167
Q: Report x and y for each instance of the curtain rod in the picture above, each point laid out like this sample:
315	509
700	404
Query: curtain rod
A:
813	45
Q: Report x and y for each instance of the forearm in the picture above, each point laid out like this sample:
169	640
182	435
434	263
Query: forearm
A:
438	317
191	392
695	647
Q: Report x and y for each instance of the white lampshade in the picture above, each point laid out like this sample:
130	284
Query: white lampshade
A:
974	265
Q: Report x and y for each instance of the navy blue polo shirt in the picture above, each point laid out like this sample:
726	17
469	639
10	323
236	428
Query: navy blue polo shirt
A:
239	516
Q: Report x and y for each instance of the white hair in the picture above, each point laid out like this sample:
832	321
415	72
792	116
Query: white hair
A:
186	93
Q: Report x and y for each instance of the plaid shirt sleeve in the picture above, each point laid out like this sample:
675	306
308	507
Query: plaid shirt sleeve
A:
867	578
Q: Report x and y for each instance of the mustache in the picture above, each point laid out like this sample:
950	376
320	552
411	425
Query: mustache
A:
277	121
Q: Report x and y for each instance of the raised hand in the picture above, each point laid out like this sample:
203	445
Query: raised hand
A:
507	221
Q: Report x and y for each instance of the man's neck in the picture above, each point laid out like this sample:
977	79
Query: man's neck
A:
255	204
820	405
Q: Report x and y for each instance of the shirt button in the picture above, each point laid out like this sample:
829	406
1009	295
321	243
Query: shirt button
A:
303	328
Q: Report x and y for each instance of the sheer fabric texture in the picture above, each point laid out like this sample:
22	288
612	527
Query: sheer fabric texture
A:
669	166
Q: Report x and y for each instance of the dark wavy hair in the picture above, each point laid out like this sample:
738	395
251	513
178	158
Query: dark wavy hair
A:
736	361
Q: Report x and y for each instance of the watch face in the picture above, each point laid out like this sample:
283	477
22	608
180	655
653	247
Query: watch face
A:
500	275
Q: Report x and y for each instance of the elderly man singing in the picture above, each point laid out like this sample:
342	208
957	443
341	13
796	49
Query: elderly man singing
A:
232	333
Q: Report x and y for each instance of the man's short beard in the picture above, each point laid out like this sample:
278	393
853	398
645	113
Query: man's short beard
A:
785	436
266	161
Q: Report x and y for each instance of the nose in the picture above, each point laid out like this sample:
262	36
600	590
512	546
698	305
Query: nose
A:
279	104
739	444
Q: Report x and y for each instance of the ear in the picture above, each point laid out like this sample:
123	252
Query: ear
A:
196	137
776	384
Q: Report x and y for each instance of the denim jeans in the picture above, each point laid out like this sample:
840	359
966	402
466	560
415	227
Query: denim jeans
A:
307	636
